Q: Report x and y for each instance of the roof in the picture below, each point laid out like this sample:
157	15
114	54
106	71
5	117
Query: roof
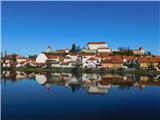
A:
104	55
21	62
92	58
96	42
149	60
141	48
114	59
13	63
129	58
60	50
23	58
48	55
11	56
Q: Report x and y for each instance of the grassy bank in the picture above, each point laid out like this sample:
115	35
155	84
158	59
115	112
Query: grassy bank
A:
79	71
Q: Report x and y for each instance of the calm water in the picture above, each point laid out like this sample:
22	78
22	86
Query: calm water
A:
55	96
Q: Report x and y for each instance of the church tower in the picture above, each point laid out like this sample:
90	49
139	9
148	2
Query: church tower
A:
49	49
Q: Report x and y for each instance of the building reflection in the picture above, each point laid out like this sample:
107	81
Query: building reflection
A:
92	83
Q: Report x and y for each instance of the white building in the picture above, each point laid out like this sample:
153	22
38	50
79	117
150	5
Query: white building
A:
21	59
73	56
104	50
67	59
43	57
96	45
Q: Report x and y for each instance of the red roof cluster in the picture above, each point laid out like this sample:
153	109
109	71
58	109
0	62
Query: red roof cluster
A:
114	59
149	60
92	58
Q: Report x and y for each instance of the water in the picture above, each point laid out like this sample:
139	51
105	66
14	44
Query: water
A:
63	96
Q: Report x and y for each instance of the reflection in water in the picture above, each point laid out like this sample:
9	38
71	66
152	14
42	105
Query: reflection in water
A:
92	83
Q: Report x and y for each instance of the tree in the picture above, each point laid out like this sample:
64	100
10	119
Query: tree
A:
148	53
32	56
14	57
78	49
1	54
5	53
135	64
73	49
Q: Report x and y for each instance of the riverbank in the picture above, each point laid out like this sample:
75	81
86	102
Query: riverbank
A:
79	71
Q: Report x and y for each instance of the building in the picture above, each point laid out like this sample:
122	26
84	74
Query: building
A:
49	50
104	50
21	59
140	51
61	51
96	45
41	58
149	62
90	63
114	63
66	64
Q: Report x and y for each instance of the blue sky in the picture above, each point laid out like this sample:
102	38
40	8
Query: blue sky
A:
29	27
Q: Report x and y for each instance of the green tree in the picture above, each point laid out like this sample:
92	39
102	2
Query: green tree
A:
135	64
73	49
14	57
32	56
148	53
78	49
5	53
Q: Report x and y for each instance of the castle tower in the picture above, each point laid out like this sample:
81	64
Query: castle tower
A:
49	49
141	49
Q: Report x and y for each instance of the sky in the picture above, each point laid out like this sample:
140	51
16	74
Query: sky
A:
29	27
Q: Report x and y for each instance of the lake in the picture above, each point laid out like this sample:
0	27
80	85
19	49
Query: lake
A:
65	96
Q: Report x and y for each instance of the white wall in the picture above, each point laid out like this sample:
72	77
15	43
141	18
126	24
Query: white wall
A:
41	58
96	46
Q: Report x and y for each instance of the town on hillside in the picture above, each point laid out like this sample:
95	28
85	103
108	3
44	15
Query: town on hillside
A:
95	55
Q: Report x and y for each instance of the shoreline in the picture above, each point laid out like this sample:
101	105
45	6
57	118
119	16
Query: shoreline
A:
80	71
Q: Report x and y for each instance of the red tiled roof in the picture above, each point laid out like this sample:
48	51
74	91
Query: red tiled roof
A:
97	43
13	63
51	56
22	62
10	56
104	55
149	60
129	58
92	58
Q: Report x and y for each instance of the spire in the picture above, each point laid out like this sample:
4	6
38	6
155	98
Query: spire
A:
49	50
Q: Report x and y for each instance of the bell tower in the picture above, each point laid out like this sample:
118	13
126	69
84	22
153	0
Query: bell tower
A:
49	49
